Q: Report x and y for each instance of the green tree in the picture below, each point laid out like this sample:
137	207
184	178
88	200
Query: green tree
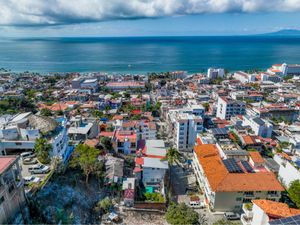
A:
294	192
154	197
172	157
104	205
106	142
86	158
181	214
42	149
46	112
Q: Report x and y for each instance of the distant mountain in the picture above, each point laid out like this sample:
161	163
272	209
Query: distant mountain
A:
285	32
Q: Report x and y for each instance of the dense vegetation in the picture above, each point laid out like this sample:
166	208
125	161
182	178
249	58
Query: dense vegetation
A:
181	214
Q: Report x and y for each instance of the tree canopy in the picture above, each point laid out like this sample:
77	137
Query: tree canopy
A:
42	149
181	214
86	158
172	156
294	192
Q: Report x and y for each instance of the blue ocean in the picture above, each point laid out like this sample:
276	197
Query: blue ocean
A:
147	54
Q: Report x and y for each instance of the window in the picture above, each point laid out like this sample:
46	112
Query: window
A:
238	199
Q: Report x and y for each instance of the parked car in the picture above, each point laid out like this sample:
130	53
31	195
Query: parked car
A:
232	216
29	161
195	202
26	155
31	179
39	169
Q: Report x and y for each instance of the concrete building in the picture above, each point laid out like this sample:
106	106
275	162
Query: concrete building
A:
81	129
90	84
228	183
125	85
186	127
227	107
270	77
12	196
213	73
289	169
267	212
19	132
76	82
244	77
285	69
259	126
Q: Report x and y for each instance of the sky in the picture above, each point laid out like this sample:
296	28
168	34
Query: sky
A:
64	18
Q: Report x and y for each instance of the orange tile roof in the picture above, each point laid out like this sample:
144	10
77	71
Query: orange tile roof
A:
220	180
248	140
275	209
256	157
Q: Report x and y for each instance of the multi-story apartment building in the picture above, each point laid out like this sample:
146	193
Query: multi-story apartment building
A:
289	169
12	196
259	126
227	107
150	168
244	77
81	128
19	132
124	141
228	183
186	128
285	69
270	111
213	73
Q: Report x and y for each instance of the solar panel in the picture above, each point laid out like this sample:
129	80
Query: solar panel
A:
292	220
247	166
232	166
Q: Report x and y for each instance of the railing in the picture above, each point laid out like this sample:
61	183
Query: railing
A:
245	220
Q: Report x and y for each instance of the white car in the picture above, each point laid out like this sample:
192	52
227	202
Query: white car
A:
25	155
232	216
31	179
39	169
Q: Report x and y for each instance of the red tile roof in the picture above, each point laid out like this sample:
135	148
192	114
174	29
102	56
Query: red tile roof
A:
276	209
5	162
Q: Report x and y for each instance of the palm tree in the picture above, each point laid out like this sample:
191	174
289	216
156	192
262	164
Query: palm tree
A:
172	157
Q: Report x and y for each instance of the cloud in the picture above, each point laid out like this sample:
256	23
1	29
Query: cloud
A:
56	12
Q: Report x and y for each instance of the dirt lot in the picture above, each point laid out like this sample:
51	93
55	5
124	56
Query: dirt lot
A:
67	197
143	218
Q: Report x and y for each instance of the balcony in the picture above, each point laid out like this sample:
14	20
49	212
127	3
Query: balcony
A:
247	208
246	220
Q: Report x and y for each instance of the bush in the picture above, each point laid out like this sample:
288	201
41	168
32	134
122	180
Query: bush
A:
181	214
154	197
104	205
294	192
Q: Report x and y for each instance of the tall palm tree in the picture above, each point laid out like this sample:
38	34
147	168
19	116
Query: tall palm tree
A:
172	157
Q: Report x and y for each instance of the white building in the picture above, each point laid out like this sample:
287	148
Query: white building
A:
259	126
90	84
81	129
18	133
228	183
244	77
289	169
266	212
227	107
213	73
285	69
185	127
270	77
